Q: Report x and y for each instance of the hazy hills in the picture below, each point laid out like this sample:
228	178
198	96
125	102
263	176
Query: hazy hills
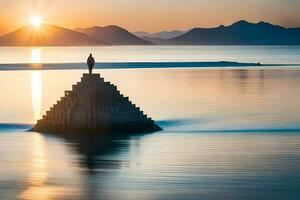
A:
114	35
239	33
160	35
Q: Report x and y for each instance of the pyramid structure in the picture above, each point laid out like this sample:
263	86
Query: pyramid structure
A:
95	107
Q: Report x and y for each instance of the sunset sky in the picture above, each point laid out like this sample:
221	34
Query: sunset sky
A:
145	15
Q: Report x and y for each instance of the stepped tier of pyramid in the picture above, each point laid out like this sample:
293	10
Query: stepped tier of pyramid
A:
95	107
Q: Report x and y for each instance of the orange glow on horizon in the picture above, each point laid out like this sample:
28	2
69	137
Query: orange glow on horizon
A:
135	16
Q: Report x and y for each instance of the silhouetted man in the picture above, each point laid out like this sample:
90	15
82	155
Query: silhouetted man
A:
91	63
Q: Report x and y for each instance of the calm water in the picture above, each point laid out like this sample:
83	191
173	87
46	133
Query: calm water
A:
228	134
248	54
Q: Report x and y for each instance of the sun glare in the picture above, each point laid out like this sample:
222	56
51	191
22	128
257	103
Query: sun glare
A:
36	21
36	56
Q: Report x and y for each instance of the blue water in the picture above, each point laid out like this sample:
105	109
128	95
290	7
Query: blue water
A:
167	165
229	133
125	54
137	65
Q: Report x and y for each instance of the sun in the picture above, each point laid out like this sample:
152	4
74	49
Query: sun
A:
36	21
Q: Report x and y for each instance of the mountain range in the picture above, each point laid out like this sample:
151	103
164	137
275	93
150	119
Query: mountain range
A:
49	35
239	33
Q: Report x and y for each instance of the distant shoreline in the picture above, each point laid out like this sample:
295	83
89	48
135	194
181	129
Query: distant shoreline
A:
134	65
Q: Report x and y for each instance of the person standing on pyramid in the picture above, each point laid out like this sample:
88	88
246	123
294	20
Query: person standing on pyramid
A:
90	63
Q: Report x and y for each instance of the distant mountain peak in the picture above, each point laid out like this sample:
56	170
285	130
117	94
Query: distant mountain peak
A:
115	35
114	26
101	27
263	22
241	22
244	23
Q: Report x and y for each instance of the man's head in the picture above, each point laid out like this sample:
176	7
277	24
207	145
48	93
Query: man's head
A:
91	54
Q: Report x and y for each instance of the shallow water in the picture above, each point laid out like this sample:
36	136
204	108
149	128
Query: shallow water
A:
245	54
228	134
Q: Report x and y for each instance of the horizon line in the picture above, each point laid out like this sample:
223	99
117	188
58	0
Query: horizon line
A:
138	65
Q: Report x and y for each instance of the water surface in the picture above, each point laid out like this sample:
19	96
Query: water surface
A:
244	54
229	133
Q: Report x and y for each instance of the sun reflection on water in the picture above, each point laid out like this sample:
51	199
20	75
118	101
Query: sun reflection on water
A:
35	56
38	171
36	94
39	162
37	188
36	85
